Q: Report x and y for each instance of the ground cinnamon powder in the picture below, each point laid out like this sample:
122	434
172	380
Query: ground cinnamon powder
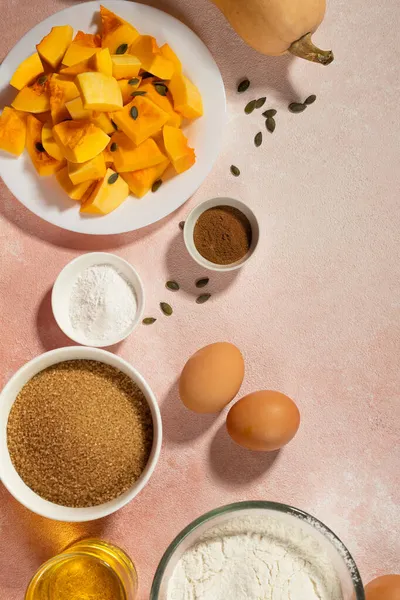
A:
222	235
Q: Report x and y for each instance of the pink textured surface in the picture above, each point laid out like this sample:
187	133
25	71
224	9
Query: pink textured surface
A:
316	313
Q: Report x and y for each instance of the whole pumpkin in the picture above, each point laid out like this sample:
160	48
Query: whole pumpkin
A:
275	27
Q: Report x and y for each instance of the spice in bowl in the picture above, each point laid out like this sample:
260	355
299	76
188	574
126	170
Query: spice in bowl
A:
80	433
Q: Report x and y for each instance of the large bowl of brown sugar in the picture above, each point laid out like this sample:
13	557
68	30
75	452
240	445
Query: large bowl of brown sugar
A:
80	434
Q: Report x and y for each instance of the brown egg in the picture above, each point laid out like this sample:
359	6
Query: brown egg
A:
211	378
263	421
386	587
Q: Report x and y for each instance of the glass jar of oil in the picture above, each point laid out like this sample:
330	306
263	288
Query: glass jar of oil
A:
87	570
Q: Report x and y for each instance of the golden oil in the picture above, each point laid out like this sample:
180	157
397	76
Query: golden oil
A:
88	570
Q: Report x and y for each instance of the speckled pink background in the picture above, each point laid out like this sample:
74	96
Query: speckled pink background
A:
316	313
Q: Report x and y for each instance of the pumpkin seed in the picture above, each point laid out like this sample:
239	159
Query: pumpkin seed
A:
161	88
138	93
156	185
243	86
133	81
297	107
172	285
113	178
114	125
270	124
310	99
146	75
235	171
134	113
258	139
271	112
42	80
121	49
200	283
149	321
260	102
203	298
250	106
166	309
39	147
113	147
182	225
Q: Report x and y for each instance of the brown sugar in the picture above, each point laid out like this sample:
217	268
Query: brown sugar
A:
80	433
222	235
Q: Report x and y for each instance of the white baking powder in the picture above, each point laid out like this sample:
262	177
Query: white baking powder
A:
254	558
102	305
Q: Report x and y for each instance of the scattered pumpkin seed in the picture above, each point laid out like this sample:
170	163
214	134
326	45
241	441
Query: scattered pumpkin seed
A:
146	75
133	81
200	283
297	107
166	308
203	298
243	86
134	113
149	321
113	178
172	285
310	99
114	125
39	147
250	106
42	80
121	49
161	88
270	124
258	139
235	171
260	102
138	93
156	185
181	225
113	147
271	112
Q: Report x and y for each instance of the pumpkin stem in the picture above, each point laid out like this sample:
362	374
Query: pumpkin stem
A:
304	48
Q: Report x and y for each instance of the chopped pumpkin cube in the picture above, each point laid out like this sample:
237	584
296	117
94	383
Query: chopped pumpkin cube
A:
89	170
61	91
149	54
116	31
43	163
125	66
80	140
140	119
140	182
127	86
34	98
49	143
108	157
27	71
178	151
129	157
83	66
102	62
76	110
12	131
108	194
169	54
74	191
103	121
163	102
54	45
99	92
83	46
186	97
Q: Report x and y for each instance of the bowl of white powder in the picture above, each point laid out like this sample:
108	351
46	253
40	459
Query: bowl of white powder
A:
257	551
98	299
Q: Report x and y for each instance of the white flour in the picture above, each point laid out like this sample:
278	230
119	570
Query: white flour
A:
254	558
102	304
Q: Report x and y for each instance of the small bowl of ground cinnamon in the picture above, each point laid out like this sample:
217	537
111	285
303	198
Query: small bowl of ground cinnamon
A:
221	234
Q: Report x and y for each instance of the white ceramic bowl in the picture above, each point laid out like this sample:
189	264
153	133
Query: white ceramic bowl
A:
9	475
192	220
63	286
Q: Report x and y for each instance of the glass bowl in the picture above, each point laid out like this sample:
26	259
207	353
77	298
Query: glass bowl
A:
342	561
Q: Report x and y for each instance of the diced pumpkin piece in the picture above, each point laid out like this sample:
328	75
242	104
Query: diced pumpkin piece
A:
33	99
61	91
83	46
99	92
150	118
129	157
186	97
27	72
80	140
107	195
140	182
163	102
149	54
102	62
103	121
127	86
170	55
43	163
12	131
74	191
81	67
54	45
125	66
116	31
76	110
49	143
89	170
178	151
108	157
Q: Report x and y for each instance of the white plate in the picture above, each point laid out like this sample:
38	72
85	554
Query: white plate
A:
44	197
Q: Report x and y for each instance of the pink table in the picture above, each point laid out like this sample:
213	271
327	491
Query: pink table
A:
316	314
